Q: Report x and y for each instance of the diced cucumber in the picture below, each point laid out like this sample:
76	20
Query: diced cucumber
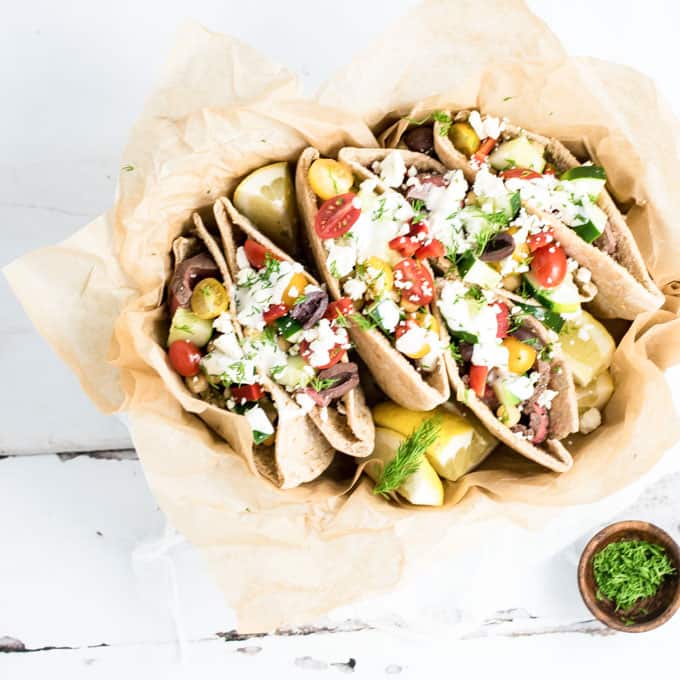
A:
563	299
482	274
464	262
187	326
545	316
518	153
289	328
464	336
586	180
386	313
259	437
595	224
504	395
509	204
294	374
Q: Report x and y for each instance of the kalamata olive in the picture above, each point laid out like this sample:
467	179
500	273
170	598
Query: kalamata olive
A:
311	309
420	139
345	377
524	333
187	274
499	247
465	350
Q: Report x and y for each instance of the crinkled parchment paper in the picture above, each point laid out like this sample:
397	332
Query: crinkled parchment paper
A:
222	109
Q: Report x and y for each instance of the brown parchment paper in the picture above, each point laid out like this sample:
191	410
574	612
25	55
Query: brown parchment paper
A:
221	109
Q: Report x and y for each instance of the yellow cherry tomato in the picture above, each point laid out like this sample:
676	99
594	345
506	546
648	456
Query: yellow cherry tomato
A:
296	287
521	251
425	320
209	299
378	277
329	178
521	357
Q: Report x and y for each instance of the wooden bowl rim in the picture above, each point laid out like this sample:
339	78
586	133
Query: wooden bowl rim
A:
654	534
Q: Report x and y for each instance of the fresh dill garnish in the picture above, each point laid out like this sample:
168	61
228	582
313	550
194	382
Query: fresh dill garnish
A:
361	269
482	238
408	456
334	270
269	335
533	342
419	212
629	571
271	265
498	218
546	354
510	163
455	351
320	384
299	299
516	320
380	210
444	120
275	371
363	323
340	320
474	292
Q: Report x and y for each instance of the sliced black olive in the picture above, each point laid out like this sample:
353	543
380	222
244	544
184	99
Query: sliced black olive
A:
311	309
499	247
420	139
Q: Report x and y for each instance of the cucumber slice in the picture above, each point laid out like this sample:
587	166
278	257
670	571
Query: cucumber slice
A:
293	374
289	328
549	319
563	299
588	180
187	326
595	224
482	274
509	204
518	153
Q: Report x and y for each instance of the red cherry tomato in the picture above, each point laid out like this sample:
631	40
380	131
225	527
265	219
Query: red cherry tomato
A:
520	173
549	170
335	353
484	150
257	253
435	248
502	320
247	392
478	375
405	245
185	358
540	239
338	308
414	282
549	266
336	216
274	312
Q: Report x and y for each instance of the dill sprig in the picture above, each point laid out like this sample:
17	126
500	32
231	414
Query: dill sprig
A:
629	571
408	457
363	322
321	384
444	120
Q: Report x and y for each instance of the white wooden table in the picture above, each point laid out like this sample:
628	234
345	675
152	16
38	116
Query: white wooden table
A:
84	589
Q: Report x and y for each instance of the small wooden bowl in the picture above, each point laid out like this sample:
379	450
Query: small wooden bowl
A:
658	609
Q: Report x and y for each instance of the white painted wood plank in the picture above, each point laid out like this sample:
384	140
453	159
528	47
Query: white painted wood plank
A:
73	81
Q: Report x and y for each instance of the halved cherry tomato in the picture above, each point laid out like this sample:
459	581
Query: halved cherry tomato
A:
337	308
185	358
247	392
549	266
296	287
521	357
540	239
336	216
335	353
502	320
257	253
409	244
274	312
484	149
435	248
478	375
328	178
520	173
209	299
414	281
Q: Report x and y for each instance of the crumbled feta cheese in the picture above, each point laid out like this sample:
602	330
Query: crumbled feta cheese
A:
488	185
393	169
223	323
354	288
258	420
321	339
341	258
242	258
521	386
589	421
546	397
413	341
241	371
490	353
388	312
304	401
229	345
489	126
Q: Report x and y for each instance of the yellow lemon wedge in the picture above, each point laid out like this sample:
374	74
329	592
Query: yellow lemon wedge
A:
595	394
588	348
423	487
267	198
463	442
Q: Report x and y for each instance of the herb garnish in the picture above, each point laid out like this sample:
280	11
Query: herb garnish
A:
629	571
380	210
334	270
444	120
483	237
363	323
320	384
408	457
128	168
455	352
419	212
340	320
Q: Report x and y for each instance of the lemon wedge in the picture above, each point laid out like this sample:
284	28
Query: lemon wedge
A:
423	487
588	348
267	198
463	442
596	393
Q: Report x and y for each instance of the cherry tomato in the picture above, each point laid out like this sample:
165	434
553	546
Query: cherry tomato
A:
328	178
478	375
257	253
540	239
336	216
379	277
520	173
402	328
185	358
549	169
521	357
209	299
549	266
337	308
425	320
414	281
335	353
274	312
502	320
247	392
295	288
409	244
484	150
435	248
